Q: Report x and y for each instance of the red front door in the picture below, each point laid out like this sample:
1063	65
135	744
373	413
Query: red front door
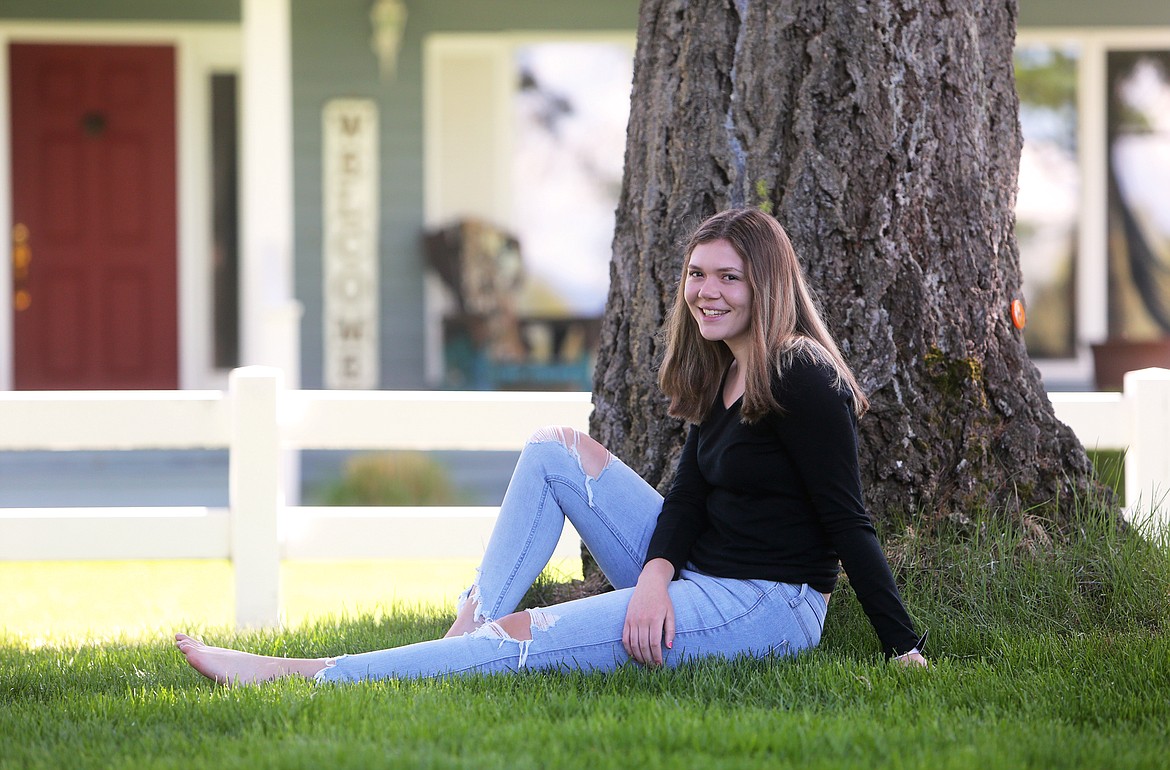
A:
95	288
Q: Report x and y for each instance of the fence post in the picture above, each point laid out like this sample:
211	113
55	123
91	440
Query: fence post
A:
254	493
1147	463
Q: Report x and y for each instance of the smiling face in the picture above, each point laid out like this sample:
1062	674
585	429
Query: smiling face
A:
718	295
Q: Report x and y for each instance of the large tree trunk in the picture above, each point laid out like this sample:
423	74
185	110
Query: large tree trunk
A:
884	136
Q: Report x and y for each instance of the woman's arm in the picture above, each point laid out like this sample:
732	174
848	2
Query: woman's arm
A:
650	614
819	434
684	510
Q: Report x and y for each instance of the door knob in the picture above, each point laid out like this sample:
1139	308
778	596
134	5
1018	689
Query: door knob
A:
21	260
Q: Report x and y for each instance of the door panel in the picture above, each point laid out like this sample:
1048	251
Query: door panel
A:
62	338
127	319
93	149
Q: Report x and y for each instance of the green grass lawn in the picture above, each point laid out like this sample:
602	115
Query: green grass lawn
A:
1042	658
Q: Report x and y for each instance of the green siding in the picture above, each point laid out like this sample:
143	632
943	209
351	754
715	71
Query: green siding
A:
508	15
122	10
1093	13
332	59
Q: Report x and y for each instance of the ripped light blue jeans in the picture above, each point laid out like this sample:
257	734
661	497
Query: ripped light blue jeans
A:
615	514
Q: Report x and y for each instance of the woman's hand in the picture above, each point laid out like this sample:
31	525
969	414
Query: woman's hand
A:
650	615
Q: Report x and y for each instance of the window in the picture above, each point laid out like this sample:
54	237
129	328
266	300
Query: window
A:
225	223
525	140
1138	205
1092	217
571	106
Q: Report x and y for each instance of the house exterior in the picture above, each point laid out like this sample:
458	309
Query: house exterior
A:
192	185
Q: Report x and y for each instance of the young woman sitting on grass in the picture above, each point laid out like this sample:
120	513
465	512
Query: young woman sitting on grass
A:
739	558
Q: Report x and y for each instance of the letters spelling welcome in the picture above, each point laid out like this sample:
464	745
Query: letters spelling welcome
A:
351	247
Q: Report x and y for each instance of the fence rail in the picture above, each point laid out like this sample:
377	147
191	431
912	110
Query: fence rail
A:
257	421
1137	420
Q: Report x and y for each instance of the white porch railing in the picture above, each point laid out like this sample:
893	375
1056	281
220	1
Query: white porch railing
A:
256	420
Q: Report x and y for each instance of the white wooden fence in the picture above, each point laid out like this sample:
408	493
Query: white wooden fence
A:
1138	421
257	420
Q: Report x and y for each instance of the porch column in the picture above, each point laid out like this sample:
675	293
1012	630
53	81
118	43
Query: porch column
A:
270	314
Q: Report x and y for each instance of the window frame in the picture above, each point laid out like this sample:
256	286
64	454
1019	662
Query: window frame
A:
489	146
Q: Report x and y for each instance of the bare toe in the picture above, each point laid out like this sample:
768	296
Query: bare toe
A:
186	643
234	667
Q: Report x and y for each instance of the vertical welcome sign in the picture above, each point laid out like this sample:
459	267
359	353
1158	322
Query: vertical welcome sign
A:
350	261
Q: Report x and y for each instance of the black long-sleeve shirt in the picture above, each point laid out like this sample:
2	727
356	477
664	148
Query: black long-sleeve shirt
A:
781	500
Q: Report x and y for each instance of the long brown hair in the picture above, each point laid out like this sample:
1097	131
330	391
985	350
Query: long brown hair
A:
785	324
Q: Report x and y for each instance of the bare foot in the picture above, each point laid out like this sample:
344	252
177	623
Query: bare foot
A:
233	667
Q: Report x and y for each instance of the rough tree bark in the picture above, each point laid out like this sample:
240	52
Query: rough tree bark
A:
884	136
